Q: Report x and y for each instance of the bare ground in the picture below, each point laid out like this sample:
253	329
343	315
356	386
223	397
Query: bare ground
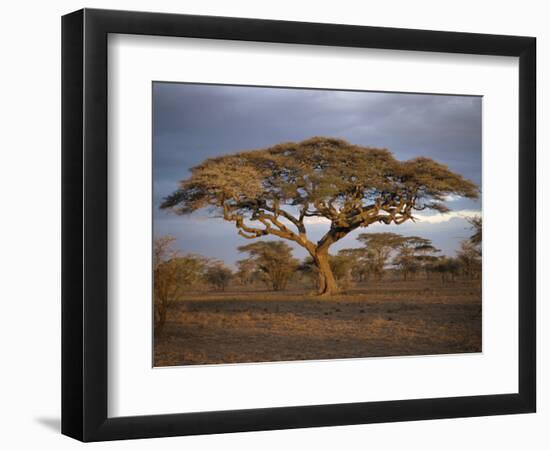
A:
385	319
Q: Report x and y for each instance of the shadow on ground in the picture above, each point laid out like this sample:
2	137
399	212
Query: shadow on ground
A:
52	423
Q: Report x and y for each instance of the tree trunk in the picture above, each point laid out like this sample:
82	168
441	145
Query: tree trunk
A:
327	282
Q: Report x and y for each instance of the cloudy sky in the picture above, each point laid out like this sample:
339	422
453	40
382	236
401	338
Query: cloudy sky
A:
192	122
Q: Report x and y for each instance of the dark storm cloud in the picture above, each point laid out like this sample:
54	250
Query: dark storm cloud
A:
193	122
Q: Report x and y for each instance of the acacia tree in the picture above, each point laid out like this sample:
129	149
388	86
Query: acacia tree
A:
218	275
469	255
413	253
446	267
272	191
273	260
380	246
246	272
341	266
361	262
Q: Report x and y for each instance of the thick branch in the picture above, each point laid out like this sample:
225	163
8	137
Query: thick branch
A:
272	225
387	212
298	223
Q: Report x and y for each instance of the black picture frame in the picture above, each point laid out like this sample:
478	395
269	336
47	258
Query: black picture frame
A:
84	224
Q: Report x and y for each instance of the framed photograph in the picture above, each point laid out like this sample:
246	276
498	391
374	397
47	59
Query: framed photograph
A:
273	224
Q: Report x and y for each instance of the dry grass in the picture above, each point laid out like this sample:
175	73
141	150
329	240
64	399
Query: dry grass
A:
385	319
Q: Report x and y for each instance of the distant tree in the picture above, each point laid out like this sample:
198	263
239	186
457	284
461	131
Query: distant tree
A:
172	273
362	262
341	267
425	256
430	264
218	275
272	191
412	255
247	271
469	255
164	278
274	260
189	269
447	267
380	246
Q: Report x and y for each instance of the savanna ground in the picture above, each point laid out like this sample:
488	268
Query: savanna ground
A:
388	318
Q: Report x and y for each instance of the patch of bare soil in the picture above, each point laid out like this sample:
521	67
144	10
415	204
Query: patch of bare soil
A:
385	319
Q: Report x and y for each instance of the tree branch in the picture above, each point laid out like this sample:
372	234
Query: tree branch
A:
270	221
396	211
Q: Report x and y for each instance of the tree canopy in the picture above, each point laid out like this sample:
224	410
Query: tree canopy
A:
379	247
348	184
414	252
218	275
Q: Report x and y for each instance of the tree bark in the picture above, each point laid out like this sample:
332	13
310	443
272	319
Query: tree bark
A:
327	282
